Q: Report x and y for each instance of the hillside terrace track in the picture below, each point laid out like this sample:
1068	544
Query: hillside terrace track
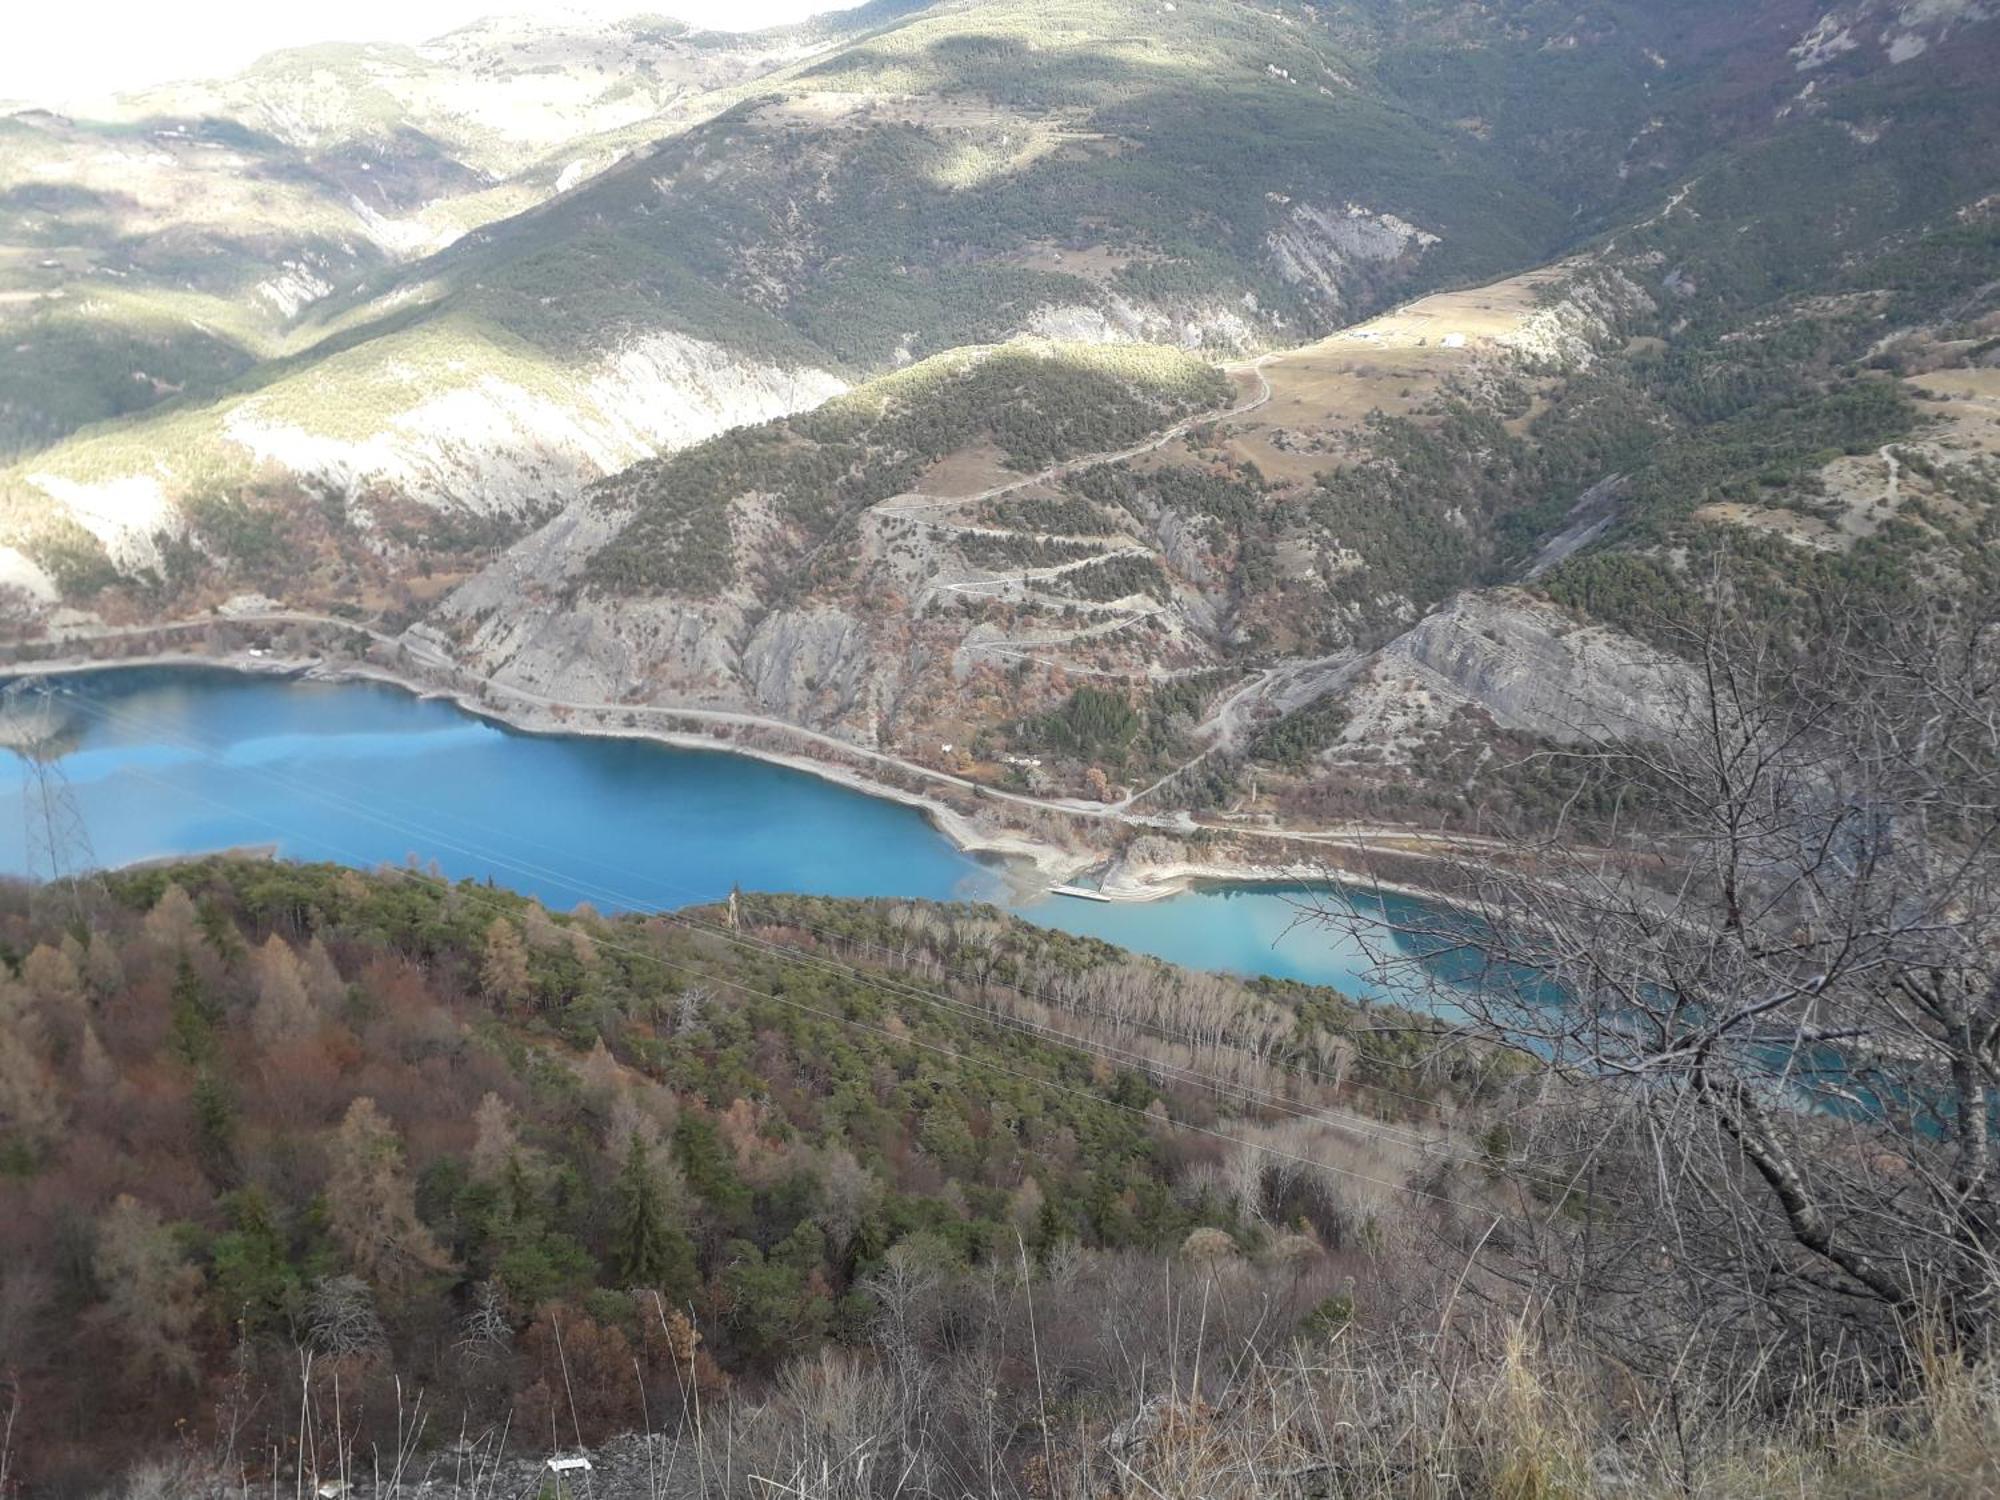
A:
1017	650
1153	444
1090	460
1037	575
1356	839
1023	650
429	658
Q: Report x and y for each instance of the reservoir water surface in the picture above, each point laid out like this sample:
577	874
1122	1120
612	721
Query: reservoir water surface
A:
169	762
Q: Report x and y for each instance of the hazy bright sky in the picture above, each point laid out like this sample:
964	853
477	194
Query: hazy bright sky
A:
57	50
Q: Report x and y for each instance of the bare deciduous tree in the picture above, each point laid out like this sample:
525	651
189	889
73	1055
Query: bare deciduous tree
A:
486	1332
152	1294
689	1008
1767	992
341	1318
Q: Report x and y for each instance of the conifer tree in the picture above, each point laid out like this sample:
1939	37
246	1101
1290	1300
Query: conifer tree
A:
647	1250
31	1113
171	923
103	971
192	1014
94	1065
371	1202
323	982
52	978
215	1128
504	972
284	1012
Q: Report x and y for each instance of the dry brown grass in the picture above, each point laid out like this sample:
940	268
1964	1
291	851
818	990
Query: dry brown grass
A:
1498	1414
1787	525
1093	262
1097	1376
1970	405
1489	1416
1395	364
966	472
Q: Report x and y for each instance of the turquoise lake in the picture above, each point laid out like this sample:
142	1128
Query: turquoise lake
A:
168	762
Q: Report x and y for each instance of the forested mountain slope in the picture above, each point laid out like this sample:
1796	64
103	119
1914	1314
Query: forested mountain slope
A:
167	241
1182	436
405	1129
906	181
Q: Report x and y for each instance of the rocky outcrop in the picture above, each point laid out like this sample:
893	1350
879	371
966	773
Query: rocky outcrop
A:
1588	519
1895	30
127	514
812	665
505	439
594	651
1527	664
1569	331
1192	325
1325	252
523	621
498	445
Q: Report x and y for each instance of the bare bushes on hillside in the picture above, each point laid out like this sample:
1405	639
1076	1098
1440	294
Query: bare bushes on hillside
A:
1772	1038
1217	1373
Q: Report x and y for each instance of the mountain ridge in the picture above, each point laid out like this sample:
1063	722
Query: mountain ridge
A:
1733	304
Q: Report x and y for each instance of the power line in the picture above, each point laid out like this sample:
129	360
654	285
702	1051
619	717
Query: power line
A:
56	838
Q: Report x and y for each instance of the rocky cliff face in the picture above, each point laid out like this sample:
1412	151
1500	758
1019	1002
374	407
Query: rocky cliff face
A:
498	446
528	621
523	621
1570	330
1878	31
1331	253
1194	323
500	441
1524	662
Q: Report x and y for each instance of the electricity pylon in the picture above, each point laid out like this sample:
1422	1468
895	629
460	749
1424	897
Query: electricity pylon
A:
57	841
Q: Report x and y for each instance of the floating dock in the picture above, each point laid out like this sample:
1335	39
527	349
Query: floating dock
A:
1082	893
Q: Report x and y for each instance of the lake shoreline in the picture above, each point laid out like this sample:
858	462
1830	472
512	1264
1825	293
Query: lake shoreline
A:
1032	867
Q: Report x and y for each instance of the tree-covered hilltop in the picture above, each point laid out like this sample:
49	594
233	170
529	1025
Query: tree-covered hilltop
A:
403	1128
1034	403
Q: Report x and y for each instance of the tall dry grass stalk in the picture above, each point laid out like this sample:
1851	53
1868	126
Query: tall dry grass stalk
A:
1488	1410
